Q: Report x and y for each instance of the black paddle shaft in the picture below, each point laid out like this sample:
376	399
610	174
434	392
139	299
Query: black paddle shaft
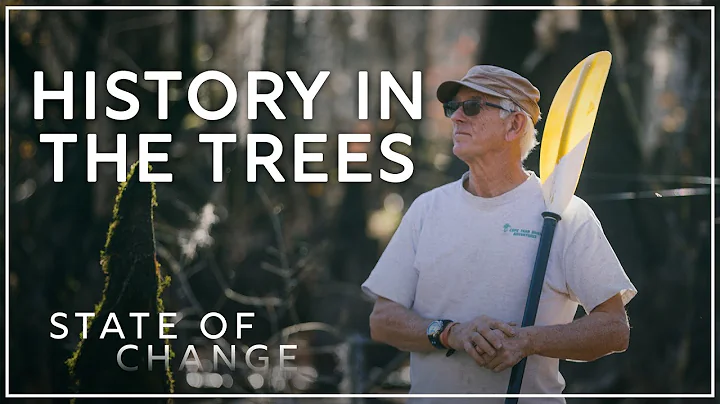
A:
550	221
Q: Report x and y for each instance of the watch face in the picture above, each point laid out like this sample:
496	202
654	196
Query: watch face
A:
434	327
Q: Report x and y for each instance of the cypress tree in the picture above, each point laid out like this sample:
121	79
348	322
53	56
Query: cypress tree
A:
133	283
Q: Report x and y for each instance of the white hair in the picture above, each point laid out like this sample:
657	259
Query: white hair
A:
529	139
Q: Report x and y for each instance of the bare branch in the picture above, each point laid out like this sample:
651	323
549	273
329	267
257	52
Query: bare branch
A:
252	301
286	332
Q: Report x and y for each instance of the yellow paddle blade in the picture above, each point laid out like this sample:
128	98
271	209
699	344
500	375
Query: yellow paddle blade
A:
568	128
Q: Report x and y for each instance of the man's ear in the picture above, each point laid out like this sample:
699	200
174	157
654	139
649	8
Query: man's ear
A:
516	128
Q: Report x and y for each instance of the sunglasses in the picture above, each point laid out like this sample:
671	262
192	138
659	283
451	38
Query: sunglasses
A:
470	107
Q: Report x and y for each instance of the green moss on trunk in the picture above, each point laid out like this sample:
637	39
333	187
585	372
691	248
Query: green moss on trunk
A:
133	283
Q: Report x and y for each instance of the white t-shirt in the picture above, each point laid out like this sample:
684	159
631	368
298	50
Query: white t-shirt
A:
458	256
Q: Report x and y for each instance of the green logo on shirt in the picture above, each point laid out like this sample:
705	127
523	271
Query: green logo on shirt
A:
507	228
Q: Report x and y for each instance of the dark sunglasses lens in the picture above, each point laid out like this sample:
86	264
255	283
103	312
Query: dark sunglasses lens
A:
472	107
450	107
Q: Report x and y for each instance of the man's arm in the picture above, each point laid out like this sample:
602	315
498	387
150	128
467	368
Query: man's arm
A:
395	325
603	331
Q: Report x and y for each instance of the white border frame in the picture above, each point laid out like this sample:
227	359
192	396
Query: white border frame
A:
388	8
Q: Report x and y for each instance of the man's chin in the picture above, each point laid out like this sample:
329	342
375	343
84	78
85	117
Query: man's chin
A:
461	151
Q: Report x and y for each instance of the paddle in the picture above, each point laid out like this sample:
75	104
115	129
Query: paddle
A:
562	152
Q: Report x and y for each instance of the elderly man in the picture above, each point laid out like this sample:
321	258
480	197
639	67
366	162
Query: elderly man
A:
455	276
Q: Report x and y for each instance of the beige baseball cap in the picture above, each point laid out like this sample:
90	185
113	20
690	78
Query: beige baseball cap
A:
498	82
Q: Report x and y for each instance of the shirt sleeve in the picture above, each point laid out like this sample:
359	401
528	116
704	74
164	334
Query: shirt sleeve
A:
394	277
592	270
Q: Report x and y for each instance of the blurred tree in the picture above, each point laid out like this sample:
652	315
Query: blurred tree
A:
133	284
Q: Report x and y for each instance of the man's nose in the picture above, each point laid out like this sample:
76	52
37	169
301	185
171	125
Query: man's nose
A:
458	115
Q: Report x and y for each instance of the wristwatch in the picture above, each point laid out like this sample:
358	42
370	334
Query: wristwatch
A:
434	330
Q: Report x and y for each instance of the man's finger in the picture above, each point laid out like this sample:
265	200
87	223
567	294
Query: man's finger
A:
482	345
495	362
504	327
493	338
501	367
471	350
